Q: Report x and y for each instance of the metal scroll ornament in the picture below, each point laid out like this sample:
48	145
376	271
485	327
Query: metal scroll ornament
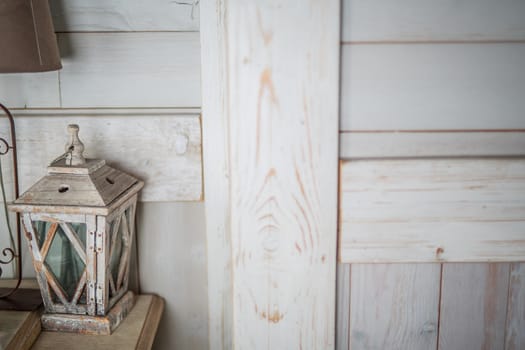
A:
9	255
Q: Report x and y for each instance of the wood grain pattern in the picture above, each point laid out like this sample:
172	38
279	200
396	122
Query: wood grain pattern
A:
428	143
145	143
515	336
135	70
283	116
344	289
473	306
115	15
30	90
216	162
394	306
427	20
432	210
429	87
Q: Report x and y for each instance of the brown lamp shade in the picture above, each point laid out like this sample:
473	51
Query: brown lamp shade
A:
27	38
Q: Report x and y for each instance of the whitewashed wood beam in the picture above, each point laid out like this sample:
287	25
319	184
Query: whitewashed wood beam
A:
428	20
432	210
216	158
160	146
281	120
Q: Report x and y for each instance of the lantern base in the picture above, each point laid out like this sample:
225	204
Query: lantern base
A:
97	325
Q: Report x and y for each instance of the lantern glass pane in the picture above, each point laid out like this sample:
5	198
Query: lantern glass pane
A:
62	257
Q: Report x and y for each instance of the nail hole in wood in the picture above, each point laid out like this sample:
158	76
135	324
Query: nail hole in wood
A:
63	188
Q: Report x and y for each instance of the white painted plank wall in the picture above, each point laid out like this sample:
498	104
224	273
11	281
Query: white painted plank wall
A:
173	263
113	70
433	87
427	20
130	70
115	16
425	68
146	60
463	60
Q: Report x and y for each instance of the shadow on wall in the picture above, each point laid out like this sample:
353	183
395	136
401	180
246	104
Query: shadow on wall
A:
60	23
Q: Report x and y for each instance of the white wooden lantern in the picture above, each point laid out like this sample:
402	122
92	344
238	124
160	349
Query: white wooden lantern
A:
79	223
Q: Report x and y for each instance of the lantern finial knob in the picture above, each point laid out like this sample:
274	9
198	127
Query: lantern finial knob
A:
74	147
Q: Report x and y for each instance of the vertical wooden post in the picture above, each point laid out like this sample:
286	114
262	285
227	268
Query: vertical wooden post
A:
270	125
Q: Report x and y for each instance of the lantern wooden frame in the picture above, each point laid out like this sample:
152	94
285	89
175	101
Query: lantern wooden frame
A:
79	222
107	300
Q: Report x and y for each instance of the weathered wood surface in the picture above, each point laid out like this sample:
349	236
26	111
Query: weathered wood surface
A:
427	20
139	70
161	147
18	329
432	210
344	288
428	143
140	323
85	324
281	97
515	325
283	102
394	306
115	15
473	306
216	163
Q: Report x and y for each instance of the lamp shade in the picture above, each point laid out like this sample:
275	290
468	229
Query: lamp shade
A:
27	38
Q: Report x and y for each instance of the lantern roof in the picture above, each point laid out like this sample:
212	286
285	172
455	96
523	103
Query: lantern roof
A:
72	180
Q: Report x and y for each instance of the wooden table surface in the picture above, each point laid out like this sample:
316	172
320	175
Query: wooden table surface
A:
18	329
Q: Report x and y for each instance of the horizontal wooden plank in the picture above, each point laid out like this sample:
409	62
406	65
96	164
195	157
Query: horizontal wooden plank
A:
117	15
160	147
424	143
408	20
130	70
432	210
433	87
30	90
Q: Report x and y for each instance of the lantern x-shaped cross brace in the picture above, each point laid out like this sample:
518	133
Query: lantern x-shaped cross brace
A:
78	246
